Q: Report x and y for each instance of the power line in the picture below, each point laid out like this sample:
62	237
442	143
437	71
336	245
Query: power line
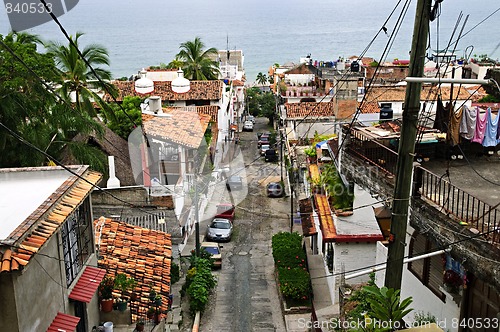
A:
96	75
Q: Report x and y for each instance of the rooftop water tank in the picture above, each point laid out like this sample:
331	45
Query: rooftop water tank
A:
355	66
386	113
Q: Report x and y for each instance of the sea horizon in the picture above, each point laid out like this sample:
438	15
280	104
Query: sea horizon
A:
148	33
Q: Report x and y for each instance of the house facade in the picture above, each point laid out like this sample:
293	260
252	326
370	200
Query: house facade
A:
47	253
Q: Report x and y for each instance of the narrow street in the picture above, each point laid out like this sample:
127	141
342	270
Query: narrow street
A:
246	297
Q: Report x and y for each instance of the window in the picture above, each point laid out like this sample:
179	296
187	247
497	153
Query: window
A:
428	270
77	241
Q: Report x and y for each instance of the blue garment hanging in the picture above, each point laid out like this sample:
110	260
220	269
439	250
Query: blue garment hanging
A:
490	135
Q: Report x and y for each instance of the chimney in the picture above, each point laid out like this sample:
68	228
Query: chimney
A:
155	105
113	181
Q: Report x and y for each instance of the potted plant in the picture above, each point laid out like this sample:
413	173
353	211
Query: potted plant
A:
123	284
106	293
452	281
139	326
151	312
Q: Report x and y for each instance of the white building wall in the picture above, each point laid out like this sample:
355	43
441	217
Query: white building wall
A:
299	78
307	129
349	257
424	300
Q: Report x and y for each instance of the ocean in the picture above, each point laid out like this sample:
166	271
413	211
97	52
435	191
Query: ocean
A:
142	33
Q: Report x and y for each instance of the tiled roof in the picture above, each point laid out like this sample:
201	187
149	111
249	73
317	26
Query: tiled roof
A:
370	107
140	253
381	94
325	218
238	83
181	127
300	110
314	172
32	233
200	90
303	68
342	108
212	110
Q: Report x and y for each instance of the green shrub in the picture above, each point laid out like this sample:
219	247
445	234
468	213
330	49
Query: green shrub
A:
199	282
294	283
174	273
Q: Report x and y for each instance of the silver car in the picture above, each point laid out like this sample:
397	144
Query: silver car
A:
220	230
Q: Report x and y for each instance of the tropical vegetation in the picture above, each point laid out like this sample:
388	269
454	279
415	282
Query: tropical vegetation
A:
80	83
372	308
290	261
197	63
31	109
261	103
199	281
126	116
261	78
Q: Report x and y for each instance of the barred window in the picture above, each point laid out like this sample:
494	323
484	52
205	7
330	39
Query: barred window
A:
77	241
428	270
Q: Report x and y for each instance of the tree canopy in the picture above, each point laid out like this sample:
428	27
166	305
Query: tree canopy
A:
33	111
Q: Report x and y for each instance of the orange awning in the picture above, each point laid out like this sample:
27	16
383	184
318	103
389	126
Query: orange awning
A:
86	286
63	323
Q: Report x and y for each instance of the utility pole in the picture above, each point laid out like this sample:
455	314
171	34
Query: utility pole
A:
406	151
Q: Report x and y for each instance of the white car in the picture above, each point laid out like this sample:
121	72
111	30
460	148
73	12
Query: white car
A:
248	126
251	118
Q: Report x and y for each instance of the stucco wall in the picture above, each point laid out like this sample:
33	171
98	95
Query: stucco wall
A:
30	300
137	195
349	257
45	287
8	313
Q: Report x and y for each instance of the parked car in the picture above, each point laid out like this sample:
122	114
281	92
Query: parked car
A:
264	148
220	229
271	155
251	118
275	189
264	138
225	211
234	182
248	126
213	248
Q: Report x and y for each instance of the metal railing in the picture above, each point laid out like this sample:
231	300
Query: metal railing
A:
374	153
479	216
466	208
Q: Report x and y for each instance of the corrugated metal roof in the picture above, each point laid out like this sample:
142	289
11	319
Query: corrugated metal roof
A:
86	286
63	323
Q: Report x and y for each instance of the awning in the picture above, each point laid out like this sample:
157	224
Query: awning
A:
63	323
86	286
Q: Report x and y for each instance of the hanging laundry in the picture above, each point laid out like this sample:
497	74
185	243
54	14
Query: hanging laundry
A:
490	133
455	119
480	126
442	116
468	123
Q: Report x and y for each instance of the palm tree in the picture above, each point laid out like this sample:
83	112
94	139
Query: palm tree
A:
175	63
79	84
197	62
261	78
34	112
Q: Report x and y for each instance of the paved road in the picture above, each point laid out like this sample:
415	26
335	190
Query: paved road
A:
246	297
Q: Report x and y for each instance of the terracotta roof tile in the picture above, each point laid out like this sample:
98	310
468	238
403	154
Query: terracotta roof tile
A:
381	94
200	90
325	218
181	127
146	256
342	108
32	234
